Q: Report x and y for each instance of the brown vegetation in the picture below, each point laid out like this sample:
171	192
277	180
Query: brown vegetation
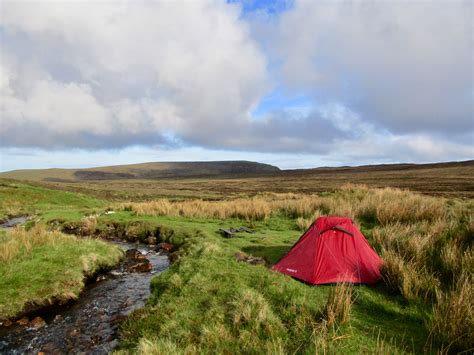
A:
378	205
22	242
449	179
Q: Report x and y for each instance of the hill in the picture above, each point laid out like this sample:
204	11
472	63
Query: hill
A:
145	171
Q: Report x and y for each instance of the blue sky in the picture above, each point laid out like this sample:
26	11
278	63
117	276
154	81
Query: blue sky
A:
291	83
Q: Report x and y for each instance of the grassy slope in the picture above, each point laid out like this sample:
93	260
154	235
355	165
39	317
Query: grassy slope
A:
23	199
197	302
38	267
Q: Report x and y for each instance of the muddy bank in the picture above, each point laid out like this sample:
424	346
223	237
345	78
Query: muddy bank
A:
89	325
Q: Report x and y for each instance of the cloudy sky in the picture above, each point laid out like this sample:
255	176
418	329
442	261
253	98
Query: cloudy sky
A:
290	83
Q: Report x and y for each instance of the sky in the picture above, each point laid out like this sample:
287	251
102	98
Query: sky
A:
295	84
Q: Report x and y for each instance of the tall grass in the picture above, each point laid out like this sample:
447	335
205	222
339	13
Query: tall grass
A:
383	206
338	305
20	243
453	315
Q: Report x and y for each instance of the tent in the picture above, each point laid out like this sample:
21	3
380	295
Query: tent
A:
332	250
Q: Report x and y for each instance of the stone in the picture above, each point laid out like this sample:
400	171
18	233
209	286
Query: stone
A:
253	260
165	247
143	266
23	321
37	323
134	254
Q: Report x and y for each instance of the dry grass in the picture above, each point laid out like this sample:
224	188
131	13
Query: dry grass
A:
380	205
453	315
88	225
338	305
249	209
22	242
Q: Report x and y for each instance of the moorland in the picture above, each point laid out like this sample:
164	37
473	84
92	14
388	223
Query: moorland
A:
418	218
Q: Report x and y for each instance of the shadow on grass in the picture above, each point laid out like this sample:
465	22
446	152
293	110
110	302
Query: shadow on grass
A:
271	253
382	316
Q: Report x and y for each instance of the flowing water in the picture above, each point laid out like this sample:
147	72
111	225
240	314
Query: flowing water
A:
90	324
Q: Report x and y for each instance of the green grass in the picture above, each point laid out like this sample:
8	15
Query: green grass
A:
23	199
40	267
208	301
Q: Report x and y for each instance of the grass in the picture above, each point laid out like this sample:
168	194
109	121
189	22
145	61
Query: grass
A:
24	199
418	289
38	267
209	302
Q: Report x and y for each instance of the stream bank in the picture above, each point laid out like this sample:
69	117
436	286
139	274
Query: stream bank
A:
91	323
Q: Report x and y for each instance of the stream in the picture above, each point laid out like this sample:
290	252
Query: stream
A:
90	324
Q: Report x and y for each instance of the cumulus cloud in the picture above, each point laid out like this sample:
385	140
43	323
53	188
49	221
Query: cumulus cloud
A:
103	69
385	81
405	66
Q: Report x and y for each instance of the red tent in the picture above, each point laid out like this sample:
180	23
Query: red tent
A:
332	250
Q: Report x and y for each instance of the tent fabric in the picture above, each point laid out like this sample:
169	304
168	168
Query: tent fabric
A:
332	250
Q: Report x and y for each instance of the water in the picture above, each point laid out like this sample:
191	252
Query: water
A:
13	222
89	325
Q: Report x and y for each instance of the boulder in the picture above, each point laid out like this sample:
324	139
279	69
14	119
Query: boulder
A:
144	266
137	262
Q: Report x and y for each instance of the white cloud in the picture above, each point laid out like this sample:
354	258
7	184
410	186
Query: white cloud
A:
406	66
109	67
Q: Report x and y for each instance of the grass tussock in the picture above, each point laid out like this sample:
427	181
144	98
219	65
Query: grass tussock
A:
29	278
453	315
338	305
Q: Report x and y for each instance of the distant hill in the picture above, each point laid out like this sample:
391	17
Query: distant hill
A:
146	171
382	168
